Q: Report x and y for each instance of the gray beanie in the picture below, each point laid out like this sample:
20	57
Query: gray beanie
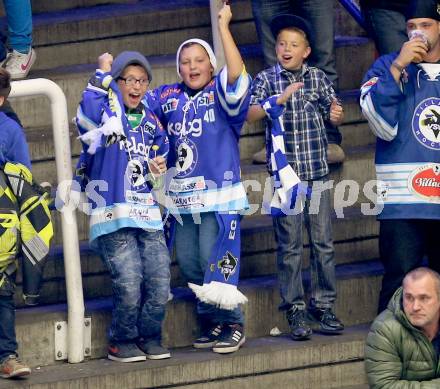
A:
127	58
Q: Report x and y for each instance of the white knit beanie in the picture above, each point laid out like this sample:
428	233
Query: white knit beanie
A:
202	43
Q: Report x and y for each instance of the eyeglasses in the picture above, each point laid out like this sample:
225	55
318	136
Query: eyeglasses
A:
131	81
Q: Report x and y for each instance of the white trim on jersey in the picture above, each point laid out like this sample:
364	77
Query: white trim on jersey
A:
378	125
220	199
231	100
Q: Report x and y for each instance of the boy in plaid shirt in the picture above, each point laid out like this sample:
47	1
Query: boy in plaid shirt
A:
300	97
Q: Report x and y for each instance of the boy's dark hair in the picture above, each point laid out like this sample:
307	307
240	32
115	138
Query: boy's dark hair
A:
5	82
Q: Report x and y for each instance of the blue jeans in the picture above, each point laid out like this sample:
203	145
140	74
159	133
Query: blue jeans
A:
289	237
139	266
8	342
194	244
319	13
19	19
387	28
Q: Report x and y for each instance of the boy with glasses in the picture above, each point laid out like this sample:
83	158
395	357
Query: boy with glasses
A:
124	150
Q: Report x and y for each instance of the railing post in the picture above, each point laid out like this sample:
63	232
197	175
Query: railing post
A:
63	159
215	6
355	12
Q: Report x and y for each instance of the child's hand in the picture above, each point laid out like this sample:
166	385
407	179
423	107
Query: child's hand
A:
336	112
158	165
289	91
225	15
105	62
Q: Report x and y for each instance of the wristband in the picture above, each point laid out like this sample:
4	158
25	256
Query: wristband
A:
398	66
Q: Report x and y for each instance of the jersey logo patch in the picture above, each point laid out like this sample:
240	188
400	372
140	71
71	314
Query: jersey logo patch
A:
227	265
426	123
170	105
424	182
135	174
367	86
187	156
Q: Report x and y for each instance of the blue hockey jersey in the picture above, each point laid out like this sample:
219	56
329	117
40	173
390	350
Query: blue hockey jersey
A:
204	131
115	177
406	120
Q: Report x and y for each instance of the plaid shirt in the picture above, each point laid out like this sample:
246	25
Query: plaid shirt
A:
305	136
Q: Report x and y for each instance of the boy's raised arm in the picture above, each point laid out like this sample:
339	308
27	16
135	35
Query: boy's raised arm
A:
105	62
234	62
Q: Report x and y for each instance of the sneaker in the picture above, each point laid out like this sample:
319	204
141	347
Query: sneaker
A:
210	338
259	157
19	64
13	367
299	328
324	320
231	339
125	352
154	350
335	153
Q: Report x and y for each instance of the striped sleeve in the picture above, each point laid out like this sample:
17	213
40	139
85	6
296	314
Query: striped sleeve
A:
380	99
232	97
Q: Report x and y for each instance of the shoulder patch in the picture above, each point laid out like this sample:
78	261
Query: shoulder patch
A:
371	82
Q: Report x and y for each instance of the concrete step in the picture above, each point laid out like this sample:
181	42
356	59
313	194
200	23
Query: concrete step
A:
39	6
87	52
94	20
357	286
355	240
322	363
123	20
355	387
84	49
344	23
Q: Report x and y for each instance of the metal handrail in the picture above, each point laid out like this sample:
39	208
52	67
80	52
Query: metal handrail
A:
353	9
63	159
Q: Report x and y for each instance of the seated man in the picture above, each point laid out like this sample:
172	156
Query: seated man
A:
403	344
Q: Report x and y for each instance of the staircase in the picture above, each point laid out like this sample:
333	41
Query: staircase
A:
68	38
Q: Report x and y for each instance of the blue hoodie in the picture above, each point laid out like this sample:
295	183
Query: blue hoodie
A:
13	146
115	177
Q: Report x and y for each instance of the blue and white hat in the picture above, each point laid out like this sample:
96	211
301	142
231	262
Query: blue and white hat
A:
202	43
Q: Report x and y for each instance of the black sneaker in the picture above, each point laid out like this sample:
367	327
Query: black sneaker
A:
154	350
299	328
231	339
210	338
125	352
324	320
